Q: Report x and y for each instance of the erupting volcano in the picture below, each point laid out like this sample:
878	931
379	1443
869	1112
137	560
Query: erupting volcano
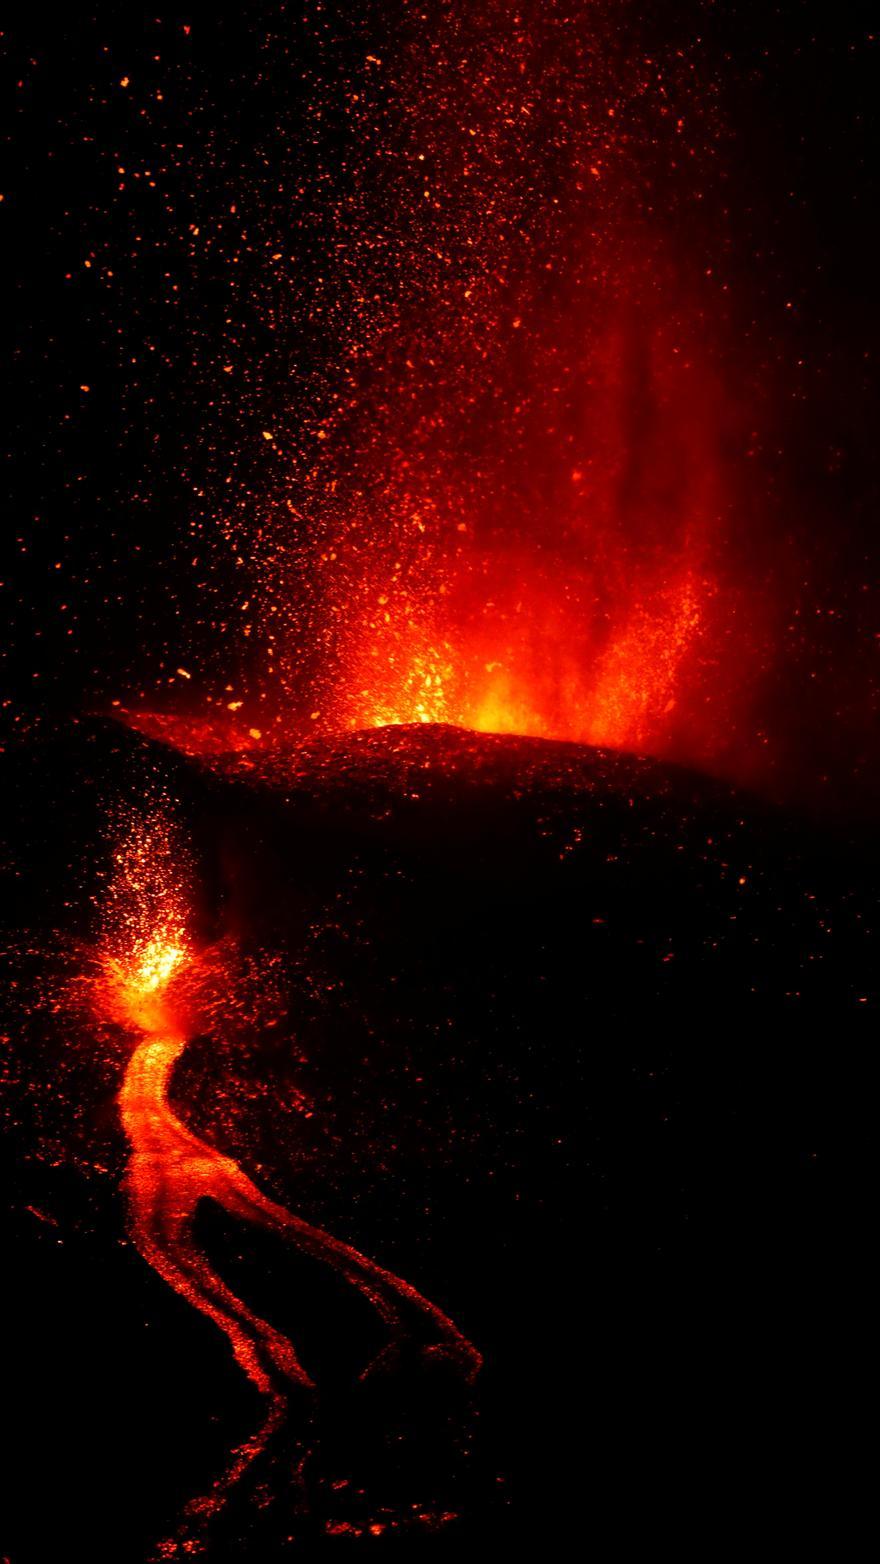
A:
439	767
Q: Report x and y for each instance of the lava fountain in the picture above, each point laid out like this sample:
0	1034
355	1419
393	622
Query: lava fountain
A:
150	971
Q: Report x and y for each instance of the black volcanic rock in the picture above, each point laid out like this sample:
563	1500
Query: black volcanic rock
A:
554	1034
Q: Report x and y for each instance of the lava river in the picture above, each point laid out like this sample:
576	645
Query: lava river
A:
171	1171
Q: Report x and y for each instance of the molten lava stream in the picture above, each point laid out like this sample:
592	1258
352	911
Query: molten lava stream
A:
171	1170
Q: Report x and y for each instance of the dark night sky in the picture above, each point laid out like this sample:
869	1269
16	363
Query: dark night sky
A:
198	232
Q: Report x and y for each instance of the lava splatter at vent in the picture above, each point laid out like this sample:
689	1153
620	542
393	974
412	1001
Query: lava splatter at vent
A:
149	982
416	365
486	466
508	503
572	587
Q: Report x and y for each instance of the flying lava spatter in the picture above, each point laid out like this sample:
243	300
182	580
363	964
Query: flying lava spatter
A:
498	489
149	971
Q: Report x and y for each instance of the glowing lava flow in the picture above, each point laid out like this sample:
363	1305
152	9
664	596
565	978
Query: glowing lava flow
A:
171	1171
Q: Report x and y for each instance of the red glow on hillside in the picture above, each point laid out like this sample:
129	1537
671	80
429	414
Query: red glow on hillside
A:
537	682
577	590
